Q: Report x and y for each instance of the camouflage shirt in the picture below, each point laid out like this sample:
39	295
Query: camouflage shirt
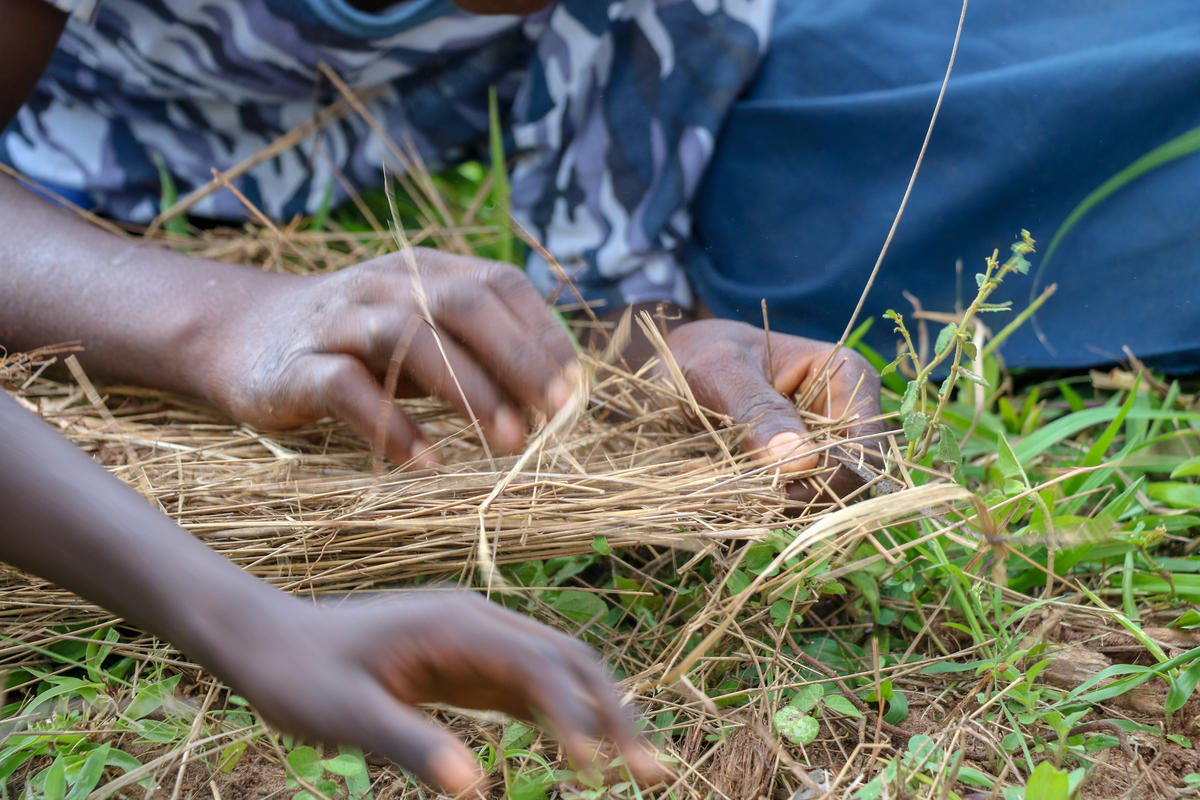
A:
613	108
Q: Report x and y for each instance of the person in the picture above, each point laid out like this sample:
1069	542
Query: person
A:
613	108
1046	103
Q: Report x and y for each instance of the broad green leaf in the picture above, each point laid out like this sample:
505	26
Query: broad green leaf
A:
344	764
841	705
796	726
944	338
948	450
578	606
758	558
1189	620
517	736
148	699
915	425
1189	467
975	777
98	648
230	756
601	546
737	583
531	786
65	684
897	710
975	378
306	763
909	401
807	696
1047	782
872	791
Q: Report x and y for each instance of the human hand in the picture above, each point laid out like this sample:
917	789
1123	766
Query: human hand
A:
349	675
294	349
727	368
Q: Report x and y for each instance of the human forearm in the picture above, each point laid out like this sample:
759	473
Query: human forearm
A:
343	673
143	314
67	520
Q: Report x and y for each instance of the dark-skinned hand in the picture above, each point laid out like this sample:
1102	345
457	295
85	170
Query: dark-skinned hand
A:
301	348
726	366
351	673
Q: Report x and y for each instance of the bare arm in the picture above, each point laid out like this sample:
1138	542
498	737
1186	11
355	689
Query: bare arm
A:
144	314
278	351
348	674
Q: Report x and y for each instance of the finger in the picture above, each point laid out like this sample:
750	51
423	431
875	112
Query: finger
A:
730	381
375	334
341	386
439	366
617	721
563	703
847	385
391	729
516	291
834	482
435	365
510	346
854	393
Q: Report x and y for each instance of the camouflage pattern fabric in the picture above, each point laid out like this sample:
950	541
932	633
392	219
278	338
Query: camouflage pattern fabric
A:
613	109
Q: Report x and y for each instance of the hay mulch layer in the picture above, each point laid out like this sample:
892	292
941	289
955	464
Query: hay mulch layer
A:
640	498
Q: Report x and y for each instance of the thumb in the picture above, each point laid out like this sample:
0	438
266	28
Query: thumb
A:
737	387
393	730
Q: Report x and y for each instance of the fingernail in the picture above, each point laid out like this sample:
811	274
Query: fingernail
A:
646	767
507	429
559	392
423	455
454	772
785	447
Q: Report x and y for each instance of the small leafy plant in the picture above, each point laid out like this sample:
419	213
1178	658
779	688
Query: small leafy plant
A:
920	415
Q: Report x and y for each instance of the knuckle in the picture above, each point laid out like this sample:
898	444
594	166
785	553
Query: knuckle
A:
453	299
505	278
710	362
526	356
337	372
761	406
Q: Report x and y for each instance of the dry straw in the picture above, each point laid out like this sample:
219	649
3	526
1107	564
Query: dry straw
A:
635	460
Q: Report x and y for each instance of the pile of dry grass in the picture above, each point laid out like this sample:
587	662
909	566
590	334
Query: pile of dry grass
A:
312	512
638	463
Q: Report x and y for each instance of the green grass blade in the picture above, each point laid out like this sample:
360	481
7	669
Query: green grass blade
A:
322	216
169	196
501	195
1183	145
